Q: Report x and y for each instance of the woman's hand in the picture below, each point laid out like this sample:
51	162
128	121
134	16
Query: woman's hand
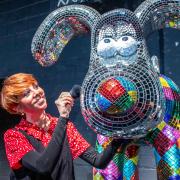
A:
64	104
121	143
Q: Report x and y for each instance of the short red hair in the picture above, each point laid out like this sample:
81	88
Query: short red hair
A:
14	87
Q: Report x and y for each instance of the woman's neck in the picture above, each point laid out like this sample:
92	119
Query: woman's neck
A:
39	119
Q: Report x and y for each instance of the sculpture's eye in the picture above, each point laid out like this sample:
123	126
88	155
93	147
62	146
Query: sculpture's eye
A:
126	46
106	48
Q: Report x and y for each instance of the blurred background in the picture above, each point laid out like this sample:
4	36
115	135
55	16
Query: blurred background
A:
19	19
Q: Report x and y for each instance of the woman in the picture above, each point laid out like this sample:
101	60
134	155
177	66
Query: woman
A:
42	146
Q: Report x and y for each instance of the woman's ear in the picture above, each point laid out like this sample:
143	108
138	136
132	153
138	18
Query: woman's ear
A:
15	109
18	109
155	63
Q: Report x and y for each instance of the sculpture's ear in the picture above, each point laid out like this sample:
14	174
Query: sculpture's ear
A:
57	30
155	63
158	14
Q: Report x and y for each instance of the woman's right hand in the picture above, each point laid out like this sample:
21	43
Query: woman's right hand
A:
121	143
64	104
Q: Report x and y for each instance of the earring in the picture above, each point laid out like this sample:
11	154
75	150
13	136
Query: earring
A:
22	113
19	111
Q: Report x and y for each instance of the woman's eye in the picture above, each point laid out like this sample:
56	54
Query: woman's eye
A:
106	48
35	86
27	93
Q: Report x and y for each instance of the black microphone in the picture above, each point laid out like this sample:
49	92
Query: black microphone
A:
75	91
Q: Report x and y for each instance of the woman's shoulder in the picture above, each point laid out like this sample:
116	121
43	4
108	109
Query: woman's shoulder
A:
10	133
72	127
71	124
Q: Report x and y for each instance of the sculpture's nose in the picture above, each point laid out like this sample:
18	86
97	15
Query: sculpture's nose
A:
116	96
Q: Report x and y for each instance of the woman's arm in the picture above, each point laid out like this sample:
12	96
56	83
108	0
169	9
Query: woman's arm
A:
43	162
101	160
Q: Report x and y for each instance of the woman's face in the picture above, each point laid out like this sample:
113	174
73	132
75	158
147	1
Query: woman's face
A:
33	99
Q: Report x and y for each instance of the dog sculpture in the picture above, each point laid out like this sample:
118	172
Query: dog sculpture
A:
123	94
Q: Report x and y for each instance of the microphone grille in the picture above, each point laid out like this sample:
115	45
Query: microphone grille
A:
75	91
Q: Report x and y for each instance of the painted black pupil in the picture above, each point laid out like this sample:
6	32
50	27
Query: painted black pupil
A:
107	40
125	38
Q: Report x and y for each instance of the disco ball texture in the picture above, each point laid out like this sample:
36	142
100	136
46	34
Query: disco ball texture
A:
115	96
123	94
165	140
